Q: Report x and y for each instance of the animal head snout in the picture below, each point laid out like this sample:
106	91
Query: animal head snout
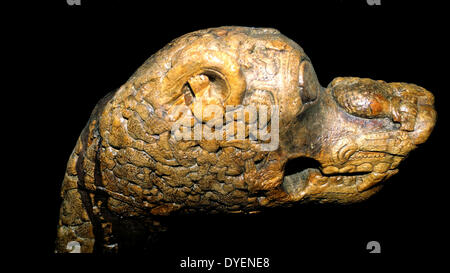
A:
409	106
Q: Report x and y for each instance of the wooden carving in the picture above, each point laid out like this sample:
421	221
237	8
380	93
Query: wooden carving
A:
137	160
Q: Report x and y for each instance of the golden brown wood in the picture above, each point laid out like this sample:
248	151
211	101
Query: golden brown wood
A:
128	170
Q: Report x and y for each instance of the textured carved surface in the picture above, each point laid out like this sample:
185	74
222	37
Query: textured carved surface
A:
128	171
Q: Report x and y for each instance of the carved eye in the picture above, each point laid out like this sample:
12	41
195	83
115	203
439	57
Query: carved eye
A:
362	98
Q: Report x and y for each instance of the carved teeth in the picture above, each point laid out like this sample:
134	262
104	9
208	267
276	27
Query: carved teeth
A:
347	169
396	162
365	167
367	155
330	170
369	181
381	167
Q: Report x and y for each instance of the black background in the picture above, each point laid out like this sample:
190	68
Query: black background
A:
80	53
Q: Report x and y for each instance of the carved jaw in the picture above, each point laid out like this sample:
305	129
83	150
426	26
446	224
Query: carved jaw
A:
351	181
312	185
366	160
363	171
355	151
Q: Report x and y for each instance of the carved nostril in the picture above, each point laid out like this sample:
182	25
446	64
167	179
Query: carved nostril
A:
425	121
413	108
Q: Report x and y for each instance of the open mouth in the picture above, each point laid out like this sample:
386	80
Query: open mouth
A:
361	172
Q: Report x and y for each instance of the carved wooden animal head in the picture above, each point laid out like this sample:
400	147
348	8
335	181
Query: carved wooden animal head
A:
358	130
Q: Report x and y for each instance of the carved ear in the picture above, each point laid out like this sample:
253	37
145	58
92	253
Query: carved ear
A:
308	82
203	77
